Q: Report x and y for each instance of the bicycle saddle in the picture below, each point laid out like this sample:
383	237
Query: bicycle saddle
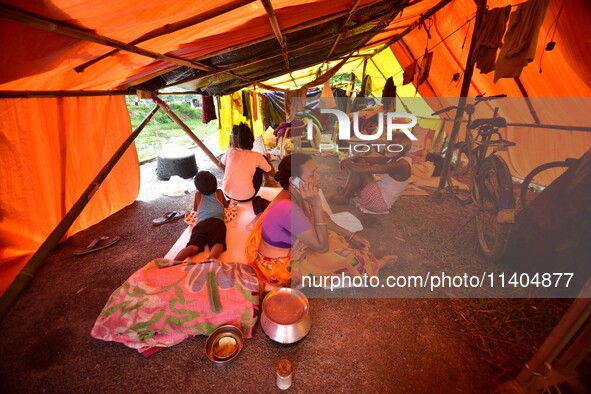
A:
495	122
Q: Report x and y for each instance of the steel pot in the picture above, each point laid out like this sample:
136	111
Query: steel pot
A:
285	315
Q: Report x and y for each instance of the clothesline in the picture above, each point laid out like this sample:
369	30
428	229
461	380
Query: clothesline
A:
440	42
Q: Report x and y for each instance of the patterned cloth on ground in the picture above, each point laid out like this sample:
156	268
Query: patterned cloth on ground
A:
167	301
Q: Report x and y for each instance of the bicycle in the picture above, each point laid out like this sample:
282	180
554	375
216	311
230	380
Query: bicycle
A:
490	186
525	195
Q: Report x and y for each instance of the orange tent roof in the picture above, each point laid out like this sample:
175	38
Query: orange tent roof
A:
63	48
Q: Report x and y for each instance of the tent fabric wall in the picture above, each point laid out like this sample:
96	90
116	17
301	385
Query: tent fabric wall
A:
565	73
50	151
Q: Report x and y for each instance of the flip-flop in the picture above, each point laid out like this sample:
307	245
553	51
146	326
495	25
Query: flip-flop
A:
97	244
168	217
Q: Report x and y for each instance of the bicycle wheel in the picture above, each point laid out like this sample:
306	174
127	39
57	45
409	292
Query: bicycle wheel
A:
494	194
526	195
458	179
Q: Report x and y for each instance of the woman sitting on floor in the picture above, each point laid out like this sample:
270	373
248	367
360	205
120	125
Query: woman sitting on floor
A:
244	169
294	237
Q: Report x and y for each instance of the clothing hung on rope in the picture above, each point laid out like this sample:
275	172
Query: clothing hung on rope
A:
489	38
425	68
409	73
519	44
208	109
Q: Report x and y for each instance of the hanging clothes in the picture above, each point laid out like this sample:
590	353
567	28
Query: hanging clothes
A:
245	104
409	73
207	109
255	106
389	96
236	102
425	68
326	97
489	38
519	44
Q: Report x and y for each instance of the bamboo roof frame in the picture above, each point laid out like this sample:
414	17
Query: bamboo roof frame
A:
171	28
34	21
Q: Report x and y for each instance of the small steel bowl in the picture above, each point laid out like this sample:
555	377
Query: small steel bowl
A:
224	344
285	315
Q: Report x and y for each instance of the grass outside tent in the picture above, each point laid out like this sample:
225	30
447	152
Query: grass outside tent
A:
162	130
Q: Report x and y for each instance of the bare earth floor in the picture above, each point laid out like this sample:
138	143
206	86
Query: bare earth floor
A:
355	344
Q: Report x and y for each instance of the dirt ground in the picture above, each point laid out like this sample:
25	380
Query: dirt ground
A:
361	344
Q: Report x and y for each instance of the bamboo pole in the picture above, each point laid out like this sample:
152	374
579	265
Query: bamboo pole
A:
47	25
562	333
25	276
62	93
187	130
276	30
525	95
172	27
336	41
249	63
576	352
469	70
416	23
302	26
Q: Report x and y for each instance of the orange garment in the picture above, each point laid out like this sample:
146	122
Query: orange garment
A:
489	38
519	46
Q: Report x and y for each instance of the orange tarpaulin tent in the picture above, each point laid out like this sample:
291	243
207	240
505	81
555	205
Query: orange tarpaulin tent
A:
62	115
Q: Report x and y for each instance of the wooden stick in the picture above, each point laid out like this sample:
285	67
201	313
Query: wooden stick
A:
416	23
296	50
468	71
336	41
21	282
47	25
187	130
302	26
277	30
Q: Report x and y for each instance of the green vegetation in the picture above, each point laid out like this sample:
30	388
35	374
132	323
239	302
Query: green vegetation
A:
162	130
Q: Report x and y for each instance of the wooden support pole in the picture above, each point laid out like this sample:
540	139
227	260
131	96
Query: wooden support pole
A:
530	106
469	70
416	23
20	16
336	41
566	328
24	277
276	30
187	130
296	28
576	352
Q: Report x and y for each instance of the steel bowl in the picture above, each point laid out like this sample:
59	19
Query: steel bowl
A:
285	315
224	344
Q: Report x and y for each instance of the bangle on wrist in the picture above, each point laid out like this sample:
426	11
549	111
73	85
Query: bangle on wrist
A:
320	224
351	236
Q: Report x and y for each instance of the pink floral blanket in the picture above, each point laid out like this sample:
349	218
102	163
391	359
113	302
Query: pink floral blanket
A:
167	301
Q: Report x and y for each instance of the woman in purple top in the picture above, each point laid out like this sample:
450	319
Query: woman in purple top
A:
294	237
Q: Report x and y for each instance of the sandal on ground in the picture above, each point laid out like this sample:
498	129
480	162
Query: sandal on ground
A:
168	217
97	244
